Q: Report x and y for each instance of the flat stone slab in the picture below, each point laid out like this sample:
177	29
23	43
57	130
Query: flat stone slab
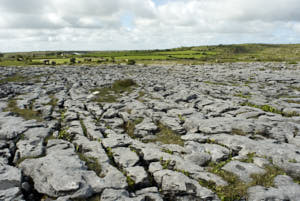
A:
10	183
243	170
285	189
61	173
124	157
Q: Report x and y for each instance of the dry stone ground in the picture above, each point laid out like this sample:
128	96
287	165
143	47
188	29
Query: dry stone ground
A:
207	132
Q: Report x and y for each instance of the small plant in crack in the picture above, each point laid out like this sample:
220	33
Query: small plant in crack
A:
129	126
65	135
91	163
166	164
167	151
236	131
84	129
249	158
268	108
130	182
181	118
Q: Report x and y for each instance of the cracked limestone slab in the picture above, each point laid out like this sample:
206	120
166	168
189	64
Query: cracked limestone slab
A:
243	170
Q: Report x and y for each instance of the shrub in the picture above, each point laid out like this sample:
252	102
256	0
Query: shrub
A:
131	62
72	60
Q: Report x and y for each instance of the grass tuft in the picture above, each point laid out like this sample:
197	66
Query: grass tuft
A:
167	136
267	179
268	108
129	126
84	130
249	158
27	114
111	94
237	189
65	135
242	96
14	78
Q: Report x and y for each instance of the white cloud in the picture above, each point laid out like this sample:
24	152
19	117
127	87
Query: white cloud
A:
99	24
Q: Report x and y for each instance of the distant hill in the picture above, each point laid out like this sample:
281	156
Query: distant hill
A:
186	55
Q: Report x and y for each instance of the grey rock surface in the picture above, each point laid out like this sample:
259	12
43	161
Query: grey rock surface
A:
63	171
179	127
174	183
10	183
243	170
284	189
124	157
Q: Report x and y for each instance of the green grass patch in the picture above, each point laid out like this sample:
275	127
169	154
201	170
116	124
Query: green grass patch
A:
295	88
293	101
27	114
292	62
167	151
237	189
84	130
183	55
268	108
20	78
215	83
243	96
249	158
166	136
14	78
12	63
267	179
111	94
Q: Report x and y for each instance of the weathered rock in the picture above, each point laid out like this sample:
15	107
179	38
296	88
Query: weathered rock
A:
117	140
285	189
173	124
112	177
124	157
110	113
174	184
223	111
217	152
113	195
10	183
145	128
243	170
138	175
215	125
11	126
191	122
61	173
71	116
200	158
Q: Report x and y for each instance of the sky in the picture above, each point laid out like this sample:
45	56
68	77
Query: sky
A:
33	25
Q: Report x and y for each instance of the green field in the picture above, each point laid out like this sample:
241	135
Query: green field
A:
185	55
